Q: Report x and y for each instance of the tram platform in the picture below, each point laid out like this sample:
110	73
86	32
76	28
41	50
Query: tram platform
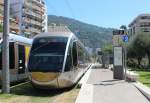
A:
100	87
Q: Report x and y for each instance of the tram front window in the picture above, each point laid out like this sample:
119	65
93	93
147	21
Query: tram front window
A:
47	54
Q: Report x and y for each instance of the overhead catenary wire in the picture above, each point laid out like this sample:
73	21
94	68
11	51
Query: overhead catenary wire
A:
49	4
72	11
74	16
70	8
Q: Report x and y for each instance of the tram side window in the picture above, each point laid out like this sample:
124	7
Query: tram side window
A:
68	65
74	53
11	56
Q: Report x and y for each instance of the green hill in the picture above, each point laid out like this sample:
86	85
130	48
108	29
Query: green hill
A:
91	35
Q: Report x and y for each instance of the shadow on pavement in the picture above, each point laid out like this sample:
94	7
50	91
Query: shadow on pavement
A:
98	66
29	90
113	80
110	82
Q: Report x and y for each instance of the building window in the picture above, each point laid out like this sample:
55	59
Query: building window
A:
145	17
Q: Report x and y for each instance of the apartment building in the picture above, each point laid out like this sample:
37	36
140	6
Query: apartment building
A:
14	24
140	24
31	14
1	11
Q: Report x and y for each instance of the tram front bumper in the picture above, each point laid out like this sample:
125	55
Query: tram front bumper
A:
45	80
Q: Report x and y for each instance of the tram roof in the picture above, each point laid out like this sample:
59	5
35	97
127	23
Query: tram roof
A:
17	38
59	34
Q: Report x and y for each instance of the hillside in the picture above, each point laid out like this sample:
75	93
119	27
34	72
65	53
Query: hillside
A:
92	36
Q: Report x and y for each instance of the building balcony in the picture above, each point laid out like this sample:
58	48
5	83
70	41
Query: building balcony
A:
36	30
144	20
1	2
33	14
27	20
14	27
32	30
1	17
33	23
39	3
144	26
148	27
33	6
145	29
36	23
1	8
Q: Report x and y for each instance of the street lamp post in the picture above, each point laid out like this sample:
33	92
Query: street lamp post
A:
5	50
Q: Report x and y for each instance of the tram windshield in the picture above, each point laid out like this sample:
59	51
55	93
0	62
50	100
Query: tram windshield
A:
47	54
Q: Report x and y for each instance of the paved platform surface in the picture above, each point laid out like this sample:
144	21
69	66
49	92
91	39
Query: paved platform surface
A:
102	88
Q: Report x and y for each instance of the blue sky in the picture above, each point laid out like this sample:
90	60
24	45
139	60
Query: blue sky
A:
105	13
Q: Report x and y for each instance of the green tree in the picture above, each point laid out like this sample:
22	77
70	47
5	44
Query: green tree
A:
123	27
107	49
139	47
1	28
135	50
145	43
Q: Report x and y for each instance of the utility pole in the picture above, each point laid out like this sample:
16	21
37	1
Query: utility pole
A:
5	50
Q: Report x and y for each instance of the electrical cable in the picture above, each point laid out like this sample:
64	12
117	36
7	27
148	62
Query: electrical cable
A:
70	8
49	4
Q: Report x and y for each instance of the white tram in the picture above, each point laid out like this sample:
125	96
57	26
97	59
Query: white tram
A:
57	60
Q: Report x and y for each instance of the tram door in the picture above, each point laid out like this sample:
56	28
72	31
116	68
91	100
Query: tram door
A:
21	59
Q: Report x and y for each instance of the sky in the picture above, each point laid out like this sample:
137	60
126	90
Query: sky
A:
104	13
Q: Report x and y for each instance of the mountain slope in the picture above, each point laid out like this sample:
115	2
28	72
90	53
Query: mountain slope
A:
91	35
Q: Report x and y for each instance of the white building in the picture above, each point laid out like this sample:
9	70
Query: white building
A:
140	24
31	14
45	20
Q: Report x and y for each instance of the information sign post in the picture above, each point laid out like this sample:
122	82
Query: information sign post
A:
119	39
118	63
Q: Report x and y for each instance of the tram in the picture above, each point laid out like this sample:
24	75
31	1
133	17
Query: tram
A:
57	60
19	48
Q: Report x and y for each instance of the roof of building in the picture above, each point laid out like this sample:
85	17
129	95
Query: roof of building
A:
60	28
56	31
47	34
